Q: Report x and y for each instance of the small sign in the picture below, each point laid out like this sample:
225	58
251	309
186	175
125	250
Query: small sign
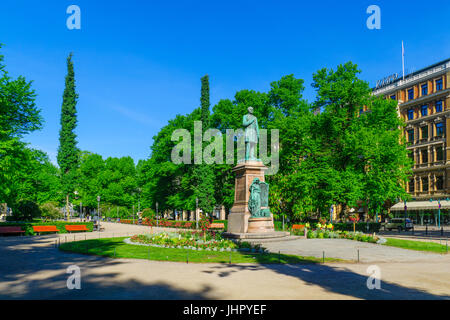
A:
387	80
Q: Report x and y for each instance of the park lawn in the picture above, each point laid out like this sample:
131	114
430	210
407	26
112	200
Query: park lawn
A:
417	245
105	247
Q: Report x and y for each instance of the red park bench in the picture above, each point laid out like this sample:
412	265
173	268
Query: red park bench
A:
39	229
11	230
298	226
217	226
76	227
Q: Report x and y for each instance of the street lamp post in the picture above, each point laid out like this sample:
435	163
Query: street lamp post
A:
439	214
196	213
76	197
98	212
157	217
406	208
139	190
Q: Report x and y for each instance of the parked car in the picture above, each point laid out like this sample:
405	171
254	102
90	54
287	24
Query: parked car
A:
398	223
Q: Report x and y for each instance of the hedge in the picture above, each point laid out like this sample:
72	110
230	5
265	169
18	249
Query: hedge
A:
360	226
170	223
28	226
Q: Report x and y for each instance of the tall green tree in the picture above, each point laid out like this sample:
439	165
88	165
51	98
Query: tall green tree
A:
37	179
365	151
68	152
203	180
19	116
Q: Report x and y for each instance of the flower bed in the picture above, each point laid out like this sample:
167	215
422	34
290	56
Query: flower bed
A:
358	236
193	241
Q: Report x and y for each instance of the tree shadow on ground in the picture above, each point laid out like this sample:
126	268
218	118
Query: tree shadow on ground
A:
39	272
44	267
335	279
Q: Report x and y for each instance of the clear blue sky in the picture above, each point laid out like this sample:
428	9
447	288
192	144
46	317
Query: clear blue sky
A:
139	63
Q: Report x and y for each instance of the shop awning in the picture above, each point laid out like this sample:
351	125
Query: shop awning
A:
420	205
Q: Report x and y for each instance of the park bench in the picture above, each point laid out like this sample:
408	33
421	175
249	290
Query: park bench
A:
11	230
217	226
76	227
298	226
39	229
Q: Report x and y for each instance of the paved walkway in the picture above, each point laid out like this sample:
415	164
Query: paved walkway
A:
348	250
32	268
420	233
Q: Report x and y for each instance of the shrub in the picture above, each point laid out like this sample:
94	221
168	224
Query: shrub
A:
49	210
26	210
204	223
360	226
148	213
122	212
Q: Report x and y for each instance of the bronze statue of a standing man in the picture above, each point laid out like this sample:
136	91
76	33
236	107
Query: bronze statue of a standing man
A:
251	127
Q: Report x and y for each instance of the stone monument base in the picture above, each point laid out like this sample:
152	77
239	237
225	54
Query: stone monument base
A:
245	172
260	225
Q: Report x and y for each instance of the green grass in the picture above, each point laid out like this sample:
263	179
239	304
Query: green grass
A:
416	245
105	247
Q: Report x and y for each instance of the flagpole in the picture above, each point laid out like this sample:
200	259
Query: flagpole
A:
403	60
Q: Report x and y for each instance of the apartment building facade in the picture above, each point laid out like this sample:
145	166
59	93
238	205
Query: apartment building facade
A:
424	104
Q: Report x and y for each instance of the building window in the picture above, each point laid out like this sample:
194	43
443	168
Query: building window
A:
411	185
424	131
424	154
411	135
425	184
424	110
411	94
439	182
424	89
439	106
439	129
439	84
410	114
439	154
393	97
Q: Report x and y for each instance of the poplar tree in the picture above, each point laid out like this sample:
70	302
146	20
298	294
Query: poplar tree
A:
204	101
203	174
68	151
